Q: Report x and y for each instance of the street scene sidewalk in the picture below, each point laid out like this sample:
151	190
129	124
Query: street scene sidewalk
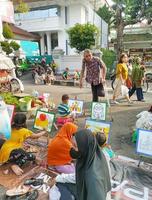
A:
75	100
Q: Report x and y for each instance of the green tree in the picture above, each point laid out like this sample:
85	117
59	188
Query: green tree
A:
6	47
128	12
7	32
83	36
107	15
21	7
9	47
14	45
108	57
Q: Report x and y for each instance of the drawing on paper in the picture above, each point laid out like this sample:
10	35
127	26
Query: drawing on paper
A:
98	111
144	142
76	106
44	120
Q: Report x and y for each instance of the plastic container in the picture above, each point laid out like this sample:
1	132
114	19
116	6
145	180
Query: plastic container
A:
25	105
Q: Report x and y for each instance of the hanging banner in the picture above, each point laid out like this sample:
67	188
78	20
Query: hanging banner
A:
130	182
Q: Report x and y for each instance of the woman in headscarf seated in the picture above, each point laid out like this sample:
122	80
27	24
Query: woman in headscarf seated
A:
92	174
59	149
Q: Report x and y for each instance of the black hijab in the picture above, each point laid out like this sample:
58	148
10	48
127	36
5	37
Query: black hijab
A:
92	175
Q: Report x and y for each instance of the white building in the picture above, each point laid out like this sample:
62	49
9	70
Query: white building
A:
51	18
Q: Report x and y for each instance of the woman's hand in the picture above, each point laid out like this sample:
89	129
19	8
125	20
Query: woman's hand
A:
123	82
102	80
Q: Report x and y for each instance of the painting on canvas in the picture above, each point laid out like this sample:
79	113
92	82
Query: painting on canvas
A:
44	120
76	106
98	126
10	110
98	111
144	141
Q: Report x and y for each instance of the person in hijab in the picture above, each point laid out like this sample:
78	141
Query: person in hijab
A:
59	149
92	175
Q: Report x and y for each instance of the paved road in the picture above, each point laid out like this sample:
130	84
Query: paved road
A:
123	115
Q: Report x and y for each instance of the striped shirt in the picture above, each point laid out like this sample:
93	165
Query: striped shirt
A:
63	110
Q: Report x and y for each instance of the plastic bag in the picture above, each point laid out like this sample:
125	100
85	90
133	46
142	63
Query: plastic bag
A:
5	125
124	91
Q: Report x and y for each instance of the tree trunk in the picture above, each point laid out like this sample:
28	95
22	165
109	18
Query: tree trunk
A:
120	28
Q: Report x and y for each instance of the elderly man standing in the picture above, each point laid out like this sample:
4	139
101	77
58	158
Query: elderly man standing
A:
95	73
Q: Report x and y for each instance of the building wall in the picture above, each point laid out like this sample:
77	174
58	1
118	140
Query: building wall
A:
77	12
104	34
73	62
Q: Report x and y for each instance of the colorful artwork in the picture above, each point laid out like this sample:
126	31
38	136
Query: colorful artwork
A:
98	111
10	110
44	120
98	126
76	106
144	142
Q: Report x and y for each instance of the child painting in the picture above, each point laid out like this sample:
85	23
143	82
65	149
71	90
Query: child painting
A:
12	150
64	111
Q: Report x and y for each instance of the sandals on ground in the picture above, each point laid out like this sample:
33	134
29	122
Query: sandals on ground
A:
17	191
34	182
32	195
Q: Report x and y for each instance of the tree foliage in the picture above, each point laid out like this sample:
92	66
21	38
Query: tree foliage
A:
126	12
108	57
8	48
7	32
22	7
106	14
14	45
82	36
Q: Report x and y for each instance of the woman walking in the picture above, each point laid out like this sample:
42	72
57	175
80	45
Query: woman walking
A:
121	77
137	77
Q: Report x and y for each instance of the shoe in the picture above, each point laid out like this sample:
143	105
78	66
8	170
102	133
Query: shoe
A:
34	182
142	100
115	102
17	191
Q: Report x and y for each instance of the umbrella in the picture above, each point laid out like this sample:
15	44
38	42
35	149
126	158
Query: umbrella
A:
6	63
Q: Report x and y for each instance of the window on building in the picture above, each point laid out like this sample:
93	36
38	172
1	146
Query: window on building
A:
86	15
37	14
66	47
66	15
54	40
